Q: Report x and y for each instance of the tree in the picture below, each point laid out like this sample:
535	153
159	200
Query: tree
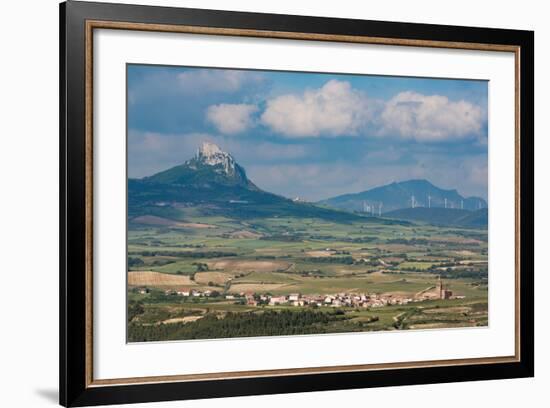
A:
135	308
135	262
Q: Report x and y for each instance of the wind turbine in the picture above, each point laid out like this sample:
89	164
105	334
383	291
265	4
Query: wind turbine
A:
461	204
380	209
445	203
429	201
412	201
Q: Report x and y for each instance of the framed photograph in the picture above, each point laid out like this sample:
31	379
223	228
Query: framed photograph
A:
257	204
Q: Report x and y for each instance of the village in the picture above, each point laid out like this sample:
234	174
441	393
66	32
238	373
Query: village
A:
343	299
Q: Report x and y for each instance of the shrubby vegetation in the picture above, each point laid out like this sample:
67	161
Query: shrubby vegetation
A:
184	254
346	260
135	308
412	241
135	262
464	273
269	323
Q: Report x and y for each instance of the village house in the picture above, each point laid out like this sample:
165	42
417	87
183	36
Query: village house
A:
184	292
250	301
277	300
446	294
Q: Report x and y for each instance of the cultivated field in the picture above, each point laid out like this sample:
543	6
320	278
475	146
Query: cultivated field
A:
355	276
157	279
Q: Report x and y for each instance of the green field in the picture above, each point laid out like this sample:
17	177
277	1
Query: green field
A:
230	262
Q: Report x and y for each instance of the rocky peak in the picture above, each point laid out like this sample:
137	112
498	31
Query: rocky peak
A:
210	154
209	167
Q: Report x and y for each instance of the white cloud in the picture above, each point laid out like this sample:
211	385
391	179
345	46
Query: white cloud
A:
205	80
335	109
430	117
231	118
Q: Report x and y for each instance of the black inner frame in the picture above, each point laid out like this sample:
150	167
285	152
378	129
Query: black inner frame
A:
73	391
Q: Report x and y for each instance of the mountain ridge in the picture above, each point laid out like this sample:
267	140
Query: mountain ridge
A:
404	194
442	216
215	182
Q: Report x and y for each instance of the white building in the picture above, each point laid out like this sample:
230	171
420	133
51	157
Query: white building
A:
277	300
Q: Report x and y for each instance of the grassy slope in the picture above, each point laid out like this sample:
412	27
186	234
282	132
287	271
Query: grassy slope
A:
442	216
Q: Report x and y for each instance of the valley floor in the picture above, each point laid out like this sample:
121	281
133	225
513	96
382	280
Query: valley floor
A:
196	276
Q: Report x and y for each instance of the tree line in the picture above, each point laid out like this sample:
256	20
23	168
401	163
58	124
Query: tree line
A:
268	323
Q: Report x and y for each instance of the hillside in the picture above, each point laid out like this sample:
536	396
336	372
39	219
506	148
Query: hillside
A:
406	194
216	184
442	216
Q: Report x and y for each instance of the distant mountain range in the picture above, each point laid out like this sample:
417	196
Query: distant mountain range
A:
405	194
214	183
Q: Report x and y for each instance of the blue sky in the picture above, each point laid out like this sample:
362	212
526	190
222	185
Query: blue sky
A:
312	135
